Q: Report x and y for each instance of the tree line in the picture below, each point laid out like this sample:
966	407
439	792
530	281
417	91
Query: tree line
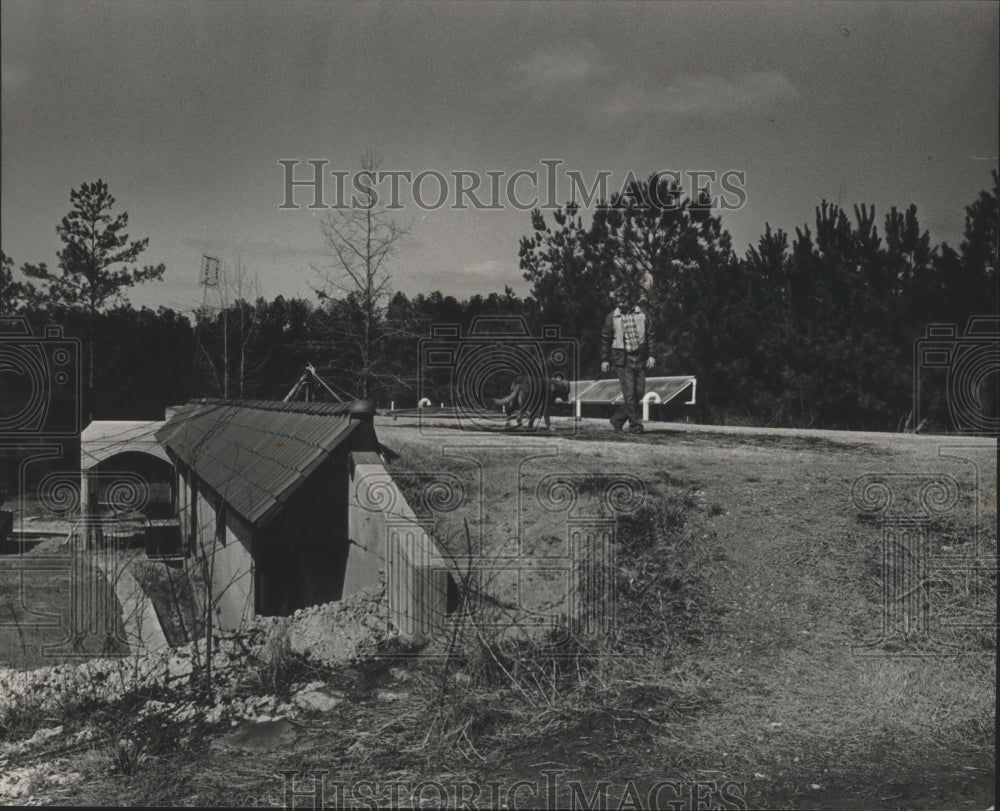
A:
815	330
818	330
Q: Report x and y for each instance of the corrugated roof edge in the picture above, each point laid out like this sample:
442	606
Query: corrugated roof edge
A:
195	410
356	408
360	410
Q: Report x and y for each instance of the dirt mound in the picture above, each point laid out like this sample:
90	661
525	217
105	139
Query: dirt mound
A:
337	632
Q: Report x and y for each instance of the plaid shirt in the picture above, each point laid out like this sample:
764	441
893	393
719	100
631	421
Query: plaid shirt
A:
629	332
633	330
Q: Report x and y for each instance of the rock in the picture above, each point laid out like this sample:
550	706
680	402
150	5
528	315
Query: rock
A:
214	715
262	737
317	700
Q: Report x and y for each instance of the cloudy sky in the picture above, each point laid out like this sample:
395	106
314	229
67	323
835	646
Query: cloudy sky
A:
186	108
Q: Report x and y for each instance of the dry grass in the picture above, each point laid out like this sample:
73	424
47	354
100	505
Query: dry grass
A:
745	589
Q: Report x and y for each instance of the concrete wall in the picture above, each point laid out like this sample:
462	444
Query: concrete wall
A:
141	625
385	533
230	563
366	525
233	576
184	508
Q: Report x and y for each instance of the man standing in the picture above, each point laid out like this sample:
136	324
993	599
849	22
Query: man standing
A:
625	343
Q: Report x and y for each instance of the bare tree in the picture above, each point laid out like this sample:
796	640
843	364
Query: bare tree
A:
360	240
231	352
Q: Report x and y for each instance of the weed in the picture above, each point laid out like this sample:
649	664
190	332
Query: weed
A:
507	684
273	668
126	754
665	588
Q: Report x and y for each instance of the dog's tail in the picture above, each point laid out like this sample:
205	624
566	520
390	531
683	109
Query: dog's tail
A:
505	401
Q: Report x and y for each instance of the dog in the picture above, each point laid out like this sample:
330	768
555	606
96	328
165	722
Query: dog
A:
526	399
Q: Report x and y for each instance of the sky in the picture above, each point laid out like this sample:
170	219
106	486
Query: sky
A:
187	108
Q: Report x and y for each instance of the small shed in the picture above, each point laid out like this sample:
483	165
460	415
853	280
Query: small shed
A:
271	518
127	484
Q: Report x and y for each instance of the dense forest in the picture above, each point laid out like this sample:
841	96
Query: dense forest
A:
822	329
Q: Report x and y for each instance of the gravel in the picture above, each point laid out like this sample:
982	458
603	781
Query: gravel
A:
332	634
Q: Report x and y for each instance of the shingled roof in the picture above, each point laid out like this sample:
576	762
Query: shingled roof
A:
257	453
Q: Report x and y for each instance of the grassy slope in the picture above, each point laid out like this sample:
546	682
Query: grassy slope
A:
794	704
767	578
786	697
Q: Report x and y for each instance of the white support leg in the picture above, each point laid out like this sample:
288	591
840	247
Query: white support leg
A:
694	388
651	397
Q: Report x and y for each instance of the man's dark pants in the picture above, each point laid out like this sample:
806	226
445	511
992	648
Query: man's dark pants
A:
632	376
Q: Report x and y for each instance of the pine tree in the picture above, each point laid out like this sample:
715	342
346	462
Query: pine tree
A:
93	263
